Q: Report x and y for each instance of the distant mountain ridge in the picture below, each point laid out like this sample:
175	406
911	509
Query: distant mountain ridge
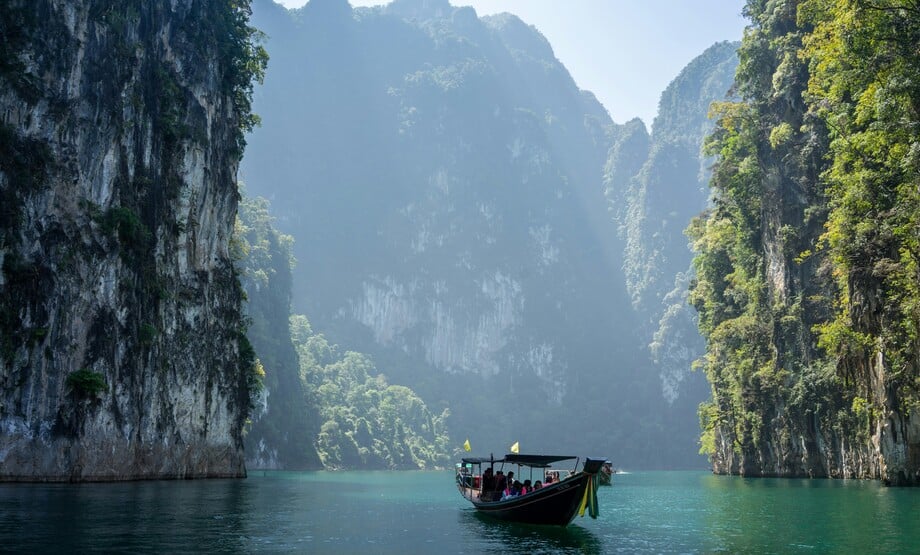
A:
653	204
444	179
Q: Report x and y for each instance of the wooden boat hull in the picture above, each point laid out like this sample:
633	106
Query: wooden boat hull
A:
555	504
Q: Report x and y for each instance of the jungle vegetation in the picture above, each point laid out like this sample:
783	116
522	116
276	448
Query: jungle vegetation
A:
808	262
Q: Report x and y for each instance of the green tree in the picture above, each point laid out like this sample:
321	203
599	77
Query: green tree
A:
367	422
284	423
865	84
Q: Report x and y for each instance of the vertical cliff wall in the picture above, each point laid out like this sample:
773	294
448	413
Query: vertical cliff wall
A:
807	280
655	186
778	407
120	323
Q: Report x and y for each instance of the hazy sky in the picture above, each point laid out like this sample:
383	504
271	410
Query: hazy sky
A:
624	51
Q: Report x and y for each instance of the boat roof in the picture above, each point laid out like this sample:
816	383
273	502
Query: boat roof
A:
537	461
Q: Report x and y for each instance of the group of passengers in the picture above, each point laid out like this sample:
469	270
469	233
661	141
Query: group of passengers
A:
499	487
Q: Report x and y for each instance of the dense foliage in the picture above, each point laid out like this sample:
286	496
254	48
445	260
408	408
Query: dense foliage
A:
86	383
244	58
807	274
367	422
283	424
866	85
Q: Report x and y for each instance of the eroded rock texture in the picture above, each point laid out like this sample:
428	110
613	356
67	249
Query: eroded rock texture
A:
119	305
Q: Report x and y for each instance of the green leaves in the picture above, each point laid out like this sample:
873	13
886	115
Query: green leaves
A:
749	309
241	56
126	225
367	423
865	70
807	322
86	384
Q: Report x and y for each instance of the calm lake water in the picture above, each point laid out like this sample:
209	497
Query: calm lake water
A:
421	512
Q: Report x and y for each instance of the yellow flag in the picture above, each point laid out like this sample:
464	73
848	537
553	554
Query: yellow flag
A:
516	448
466	445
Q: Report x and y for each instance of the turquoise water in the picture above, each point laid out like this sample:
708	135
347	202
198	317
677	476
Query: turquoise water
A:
421	512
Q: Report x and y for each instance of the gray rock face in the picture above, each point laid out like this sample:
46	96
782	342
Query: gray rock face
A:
655	185
119	304
444	179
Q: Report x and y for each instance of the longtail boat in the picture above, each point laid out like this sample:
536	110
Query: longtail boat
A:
555	503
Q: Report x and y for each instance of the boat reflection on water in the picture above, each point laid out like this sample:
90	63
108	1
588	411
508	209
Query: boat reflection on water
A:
514	537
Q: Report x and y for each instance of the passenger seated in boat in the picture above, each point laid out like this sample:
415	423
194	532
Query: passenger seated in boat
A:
488	480
526	488
500	482
537	485
511	491
549	479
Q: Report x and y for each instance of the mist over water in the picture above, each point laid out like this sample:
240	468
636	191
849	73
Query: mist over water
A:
421	512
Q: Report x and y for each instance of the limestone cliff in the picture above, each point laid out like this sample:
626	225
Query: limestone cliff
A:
807	282
442	177
120	322
655	186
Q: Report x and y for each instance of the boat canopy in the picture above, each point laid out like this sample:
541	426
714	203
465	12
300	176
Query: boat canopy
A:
536	461
479	460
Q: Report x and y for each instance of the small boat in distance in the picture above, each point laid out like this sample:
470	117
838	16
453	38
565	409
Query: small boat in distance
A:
555	503
605	476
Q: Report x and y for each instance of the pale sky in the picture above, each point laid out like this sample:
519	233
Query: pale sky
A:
624	51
